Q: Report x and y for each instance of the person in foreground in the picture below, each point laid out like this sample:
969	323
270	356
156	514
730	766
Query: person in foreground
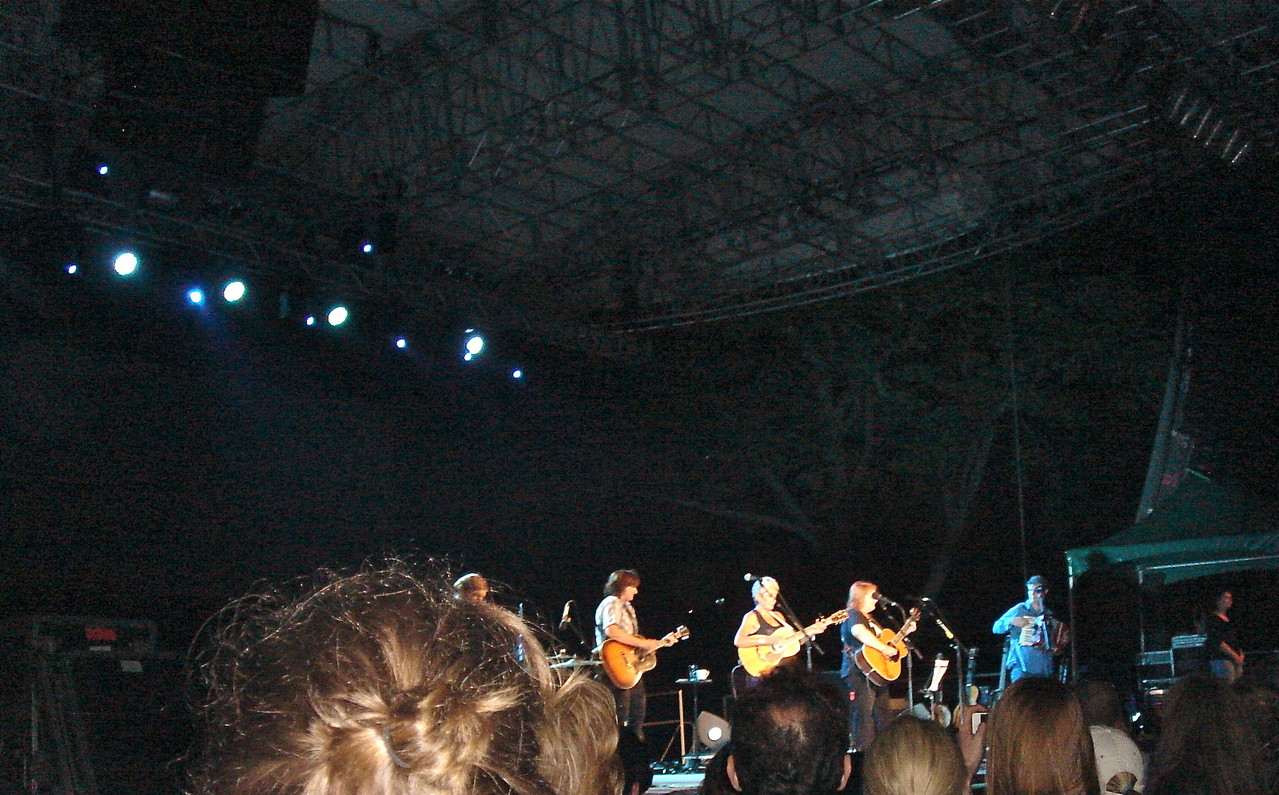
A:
1206	744
384	683
914	757
789	736
1038	742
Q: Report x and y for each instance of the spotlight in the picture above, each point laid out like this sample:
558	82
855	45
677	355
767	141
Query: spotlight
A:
72	268
103	169
310	320
126	264
367	248
473	345
401	343
195	295
712	731
338	315
517	374
234	291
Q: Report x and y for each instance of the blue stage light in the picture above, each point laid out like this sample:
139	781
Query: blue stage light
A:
401	343
104	169
367	248
517	374
72	268
234	291
338	315
195	295
310	320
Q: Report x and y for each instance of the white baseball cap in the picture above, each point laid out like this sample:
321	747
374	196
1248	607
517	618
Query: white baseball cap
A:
1120	767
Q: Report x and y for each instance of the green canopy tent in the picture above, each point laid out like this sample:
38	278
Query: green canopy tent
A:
1202	528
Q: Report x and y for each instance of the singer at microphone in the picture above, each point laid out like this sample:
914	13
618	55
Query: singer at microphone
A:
868	688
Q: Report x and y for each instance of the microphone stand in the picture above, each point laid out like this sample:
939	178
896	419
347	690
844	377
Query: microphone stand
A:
808	639
961	651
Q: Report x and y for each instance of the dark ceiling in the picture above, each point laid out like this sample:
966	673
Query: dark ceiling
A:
582	170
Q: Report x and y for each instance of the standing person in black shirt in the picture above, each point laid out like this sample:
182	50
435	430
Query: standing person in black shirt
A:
1224	656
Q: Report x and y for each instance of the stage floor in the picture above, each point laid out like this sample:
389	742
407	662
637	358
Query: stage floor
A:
670	783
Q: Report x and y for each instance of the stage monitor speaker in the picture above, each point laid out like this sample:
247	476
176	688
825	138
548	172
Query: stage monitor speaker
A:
1189	654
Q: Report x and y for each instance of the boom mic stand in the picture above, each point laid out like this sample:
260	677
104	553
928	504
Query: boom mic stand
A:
808	639
962	652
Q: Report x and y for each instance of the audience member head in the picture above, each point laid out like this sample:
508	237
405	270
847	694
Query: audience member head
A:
471	587
1205	741
1101	704
384	683
620	580
1038	742
914	757
790	735
1120	768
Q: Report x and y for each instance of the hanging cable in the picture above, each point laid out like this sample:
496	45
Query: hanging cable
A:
1016	411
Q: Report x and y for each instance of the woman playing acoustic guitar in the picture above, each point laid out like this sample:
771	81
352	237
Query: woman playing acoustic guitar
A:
868	702
761	628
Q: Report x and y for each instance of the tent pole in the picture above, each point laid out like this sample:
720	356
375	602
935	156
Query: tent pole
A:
1074	629
1141	608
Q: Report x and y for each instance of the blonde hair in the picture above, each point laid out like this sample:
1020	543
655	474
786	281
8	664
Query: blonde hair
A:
914	757
382	683
1039	744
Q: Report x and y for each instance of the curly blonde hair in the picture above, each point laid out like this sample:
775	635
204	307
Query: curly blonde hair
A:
382	682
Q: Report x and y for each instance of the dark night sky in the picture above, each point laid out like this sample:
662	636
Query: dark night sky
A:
160	463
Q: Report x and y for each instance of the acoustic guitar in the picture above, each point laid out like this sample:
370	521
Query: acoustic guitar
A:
878	668
626	664
761	660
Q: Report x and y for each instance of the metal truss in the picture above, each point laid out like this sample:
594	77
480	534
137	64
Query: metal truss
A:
658	163
610	166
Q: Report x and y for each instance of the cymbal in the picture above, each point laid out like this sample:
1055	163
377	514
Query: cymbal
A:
574	663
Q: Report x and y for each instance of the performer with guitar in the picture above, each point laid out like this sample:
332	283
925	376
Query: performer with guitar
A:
868	701
765	640
1034	634
615	620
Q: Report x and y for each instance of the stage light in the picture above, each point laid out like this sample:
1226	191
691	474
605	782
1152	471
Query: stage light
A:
72	268
104	169
126	264
195	295
517	374
401	343
234	291
712	731
367	248
473	344
338	315
310	320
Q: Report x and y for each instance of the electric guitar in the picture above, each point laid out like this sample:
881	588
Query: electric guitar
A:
761	660
626	664
877	667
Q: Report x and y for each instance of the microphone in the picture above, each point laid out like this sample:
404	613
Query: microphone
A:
880	596
753	577
568	608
